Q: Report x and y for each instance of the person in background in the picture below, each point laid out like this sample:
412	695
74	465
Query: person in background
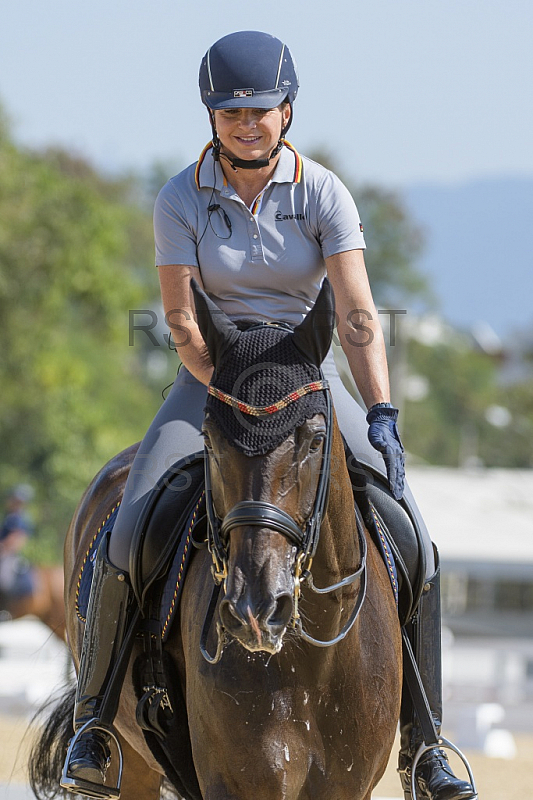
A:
15	530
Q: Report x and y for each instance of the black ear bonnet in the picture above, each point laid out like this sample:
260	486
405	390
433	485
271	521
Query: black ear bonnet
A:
261	365
261	368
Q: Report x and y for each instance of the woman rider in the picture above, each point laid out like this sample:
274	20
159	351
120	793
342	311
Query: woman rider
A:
258	226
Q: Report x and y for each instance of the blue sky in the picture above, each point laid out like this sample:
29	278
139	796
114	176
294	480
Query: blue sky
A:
399	91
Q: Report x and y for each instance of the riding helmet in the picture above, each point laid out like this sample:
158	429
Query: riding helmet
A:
248	69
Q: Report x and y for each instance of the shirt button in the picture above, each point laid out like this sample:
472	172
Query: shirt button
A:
256	236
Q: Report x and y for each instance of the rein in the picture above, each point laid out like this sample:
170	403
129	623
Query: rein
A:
260	514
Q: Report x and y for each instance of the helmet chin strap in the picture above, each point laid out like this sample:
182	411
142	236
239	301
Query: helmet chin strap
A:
241	163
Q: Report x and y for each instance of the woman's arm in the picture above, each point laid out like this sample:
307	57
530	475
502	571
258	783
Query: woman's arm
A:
358	326
178	303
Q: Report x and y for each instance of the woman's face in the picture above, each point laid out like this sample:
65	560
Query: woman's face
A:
251	133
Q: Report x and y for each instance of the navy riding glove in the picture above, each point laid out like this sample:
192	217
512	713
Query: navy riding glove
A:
383	436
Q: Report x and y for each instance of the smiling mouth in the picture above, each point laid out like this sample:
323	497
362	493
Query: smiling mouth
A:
248	140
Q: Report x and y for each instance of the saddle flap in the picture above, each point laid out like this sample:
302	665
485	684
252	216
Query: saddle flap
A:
162	520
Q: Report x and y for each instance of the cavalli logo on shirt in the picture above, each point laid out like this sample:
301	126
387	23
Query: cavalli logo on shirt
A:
281	217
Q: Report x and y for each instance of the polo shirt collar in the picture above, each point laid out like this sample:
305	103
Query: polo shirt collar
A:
205	175
288	169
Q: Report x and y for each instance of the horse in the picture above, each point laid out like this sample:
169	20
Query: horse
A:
45	600
287	650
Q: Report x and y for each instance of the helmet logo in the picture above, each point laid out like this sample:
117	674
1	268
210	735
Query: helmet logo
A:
243	92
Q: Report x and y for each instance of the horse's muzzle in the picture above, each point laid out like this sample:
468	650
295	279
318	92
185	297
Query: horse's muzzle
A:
257	628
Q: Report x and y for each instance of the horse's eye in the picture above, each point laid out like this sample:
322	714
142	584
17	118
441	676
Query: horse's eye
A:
316	442
207	440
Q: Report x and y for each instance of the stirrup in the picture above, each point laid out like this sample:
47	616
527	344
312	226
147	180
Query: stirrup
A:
81	786
444	744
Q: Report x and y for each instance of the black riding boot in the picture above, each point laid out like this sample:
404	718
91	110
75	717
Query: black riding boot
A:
434	777
105	646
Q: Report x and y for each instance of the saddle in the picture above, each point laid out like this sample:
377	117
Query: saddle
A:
386	517
160	528
172	518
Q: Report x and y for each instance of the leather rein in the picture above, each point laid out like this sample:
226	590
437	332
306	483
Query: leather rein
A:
260	514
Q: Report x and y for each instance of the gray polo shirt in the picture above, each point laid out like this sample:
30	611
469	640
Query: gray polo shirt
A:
266	261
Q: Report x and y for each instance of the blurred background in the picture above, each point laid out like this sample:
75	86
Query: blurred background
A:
424	110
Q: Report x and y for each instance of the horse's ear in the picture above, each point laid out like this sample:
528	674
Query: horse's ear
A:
313	336
218	331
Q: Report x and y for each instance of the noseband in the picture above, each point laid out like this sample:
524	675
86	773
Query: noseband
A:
260	514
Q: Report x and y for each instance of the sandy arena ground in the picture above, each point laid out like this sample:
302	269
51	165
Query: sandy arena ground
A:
497	779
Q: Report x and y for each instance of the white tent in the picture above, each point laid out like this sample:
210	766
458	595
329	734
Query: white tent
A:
481	518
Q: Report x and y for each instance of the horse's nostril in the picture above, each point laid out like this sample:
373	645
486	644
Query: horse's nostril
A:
229	614
281	612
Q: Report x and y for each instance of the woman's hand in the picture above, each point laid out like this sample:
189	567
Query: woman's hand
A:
383	436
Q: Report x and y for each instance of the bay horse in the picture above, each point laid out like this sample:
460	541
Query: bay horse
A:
293	692
45	601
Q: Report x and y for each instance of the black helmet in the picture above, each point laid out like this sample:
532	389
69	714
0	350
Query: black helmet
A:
248	68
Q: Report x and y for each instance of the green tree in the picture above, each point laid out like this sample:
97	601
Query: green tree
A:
467	415
75	254
442	428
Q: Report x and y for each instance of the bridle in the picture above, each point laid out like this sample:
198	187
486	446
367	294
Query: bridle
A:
260	514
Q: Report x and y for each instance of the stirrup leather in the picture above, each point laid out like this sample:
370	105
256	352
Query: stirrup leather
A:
82	786
431	739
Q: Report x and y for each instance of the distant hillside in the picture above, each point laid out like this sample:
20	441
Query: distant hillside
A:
479	250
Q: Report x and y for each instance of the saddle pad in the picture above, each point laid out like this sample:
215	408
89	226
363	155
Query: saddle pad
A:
174	580
85	578
386	553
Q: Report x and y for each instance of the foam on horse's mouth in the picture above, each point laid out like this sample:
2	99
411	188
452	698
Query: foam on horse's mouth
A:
262	643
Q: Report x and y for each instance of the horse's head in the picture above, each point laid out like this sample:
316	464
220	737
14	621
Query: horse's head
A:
266	437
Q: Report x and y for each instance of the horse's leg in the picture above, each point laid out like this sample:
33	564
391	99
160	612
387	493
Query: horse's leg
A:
139	781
